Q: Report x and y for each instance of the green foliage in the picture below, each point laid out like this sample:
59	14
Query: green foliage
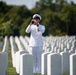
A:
5	28
1	38
24	25
59	18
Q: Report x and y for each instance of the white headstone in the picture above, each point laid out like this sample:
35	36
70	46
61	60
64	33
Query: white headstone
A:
44	63
65	62
73	64
5	46
13	50
26	64
18	53
24	43
54	64
3	63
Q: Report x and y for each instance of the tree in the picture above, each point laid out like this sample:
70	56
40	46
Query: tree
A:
6	29
23	26
42	4
69	13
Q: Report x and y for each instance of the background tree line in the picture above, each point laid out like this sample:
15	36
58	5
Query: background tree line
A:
59	18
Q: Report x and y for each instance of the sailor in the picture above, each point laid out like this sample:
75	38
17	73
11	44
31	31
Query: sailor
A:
36	41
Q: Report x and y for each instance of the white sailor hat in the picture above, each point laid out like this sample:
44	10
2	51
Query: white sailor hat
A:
37	15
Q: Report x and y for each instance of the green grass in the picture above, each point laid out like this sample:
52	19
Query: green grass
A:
11	70
66	74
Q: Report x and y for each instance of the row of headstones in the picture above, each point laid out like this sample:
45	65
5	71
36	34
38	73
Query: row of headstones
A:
59	44
4	57
18	57
21	59
52	63
53	59
59	62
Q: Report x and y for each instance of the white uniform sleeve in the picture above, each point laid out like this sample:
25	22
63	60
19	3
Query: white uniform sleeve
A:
41	28
28	29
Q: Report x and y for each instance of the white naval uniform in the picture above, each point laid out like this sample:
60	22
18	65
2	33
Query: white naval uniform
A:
36	44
